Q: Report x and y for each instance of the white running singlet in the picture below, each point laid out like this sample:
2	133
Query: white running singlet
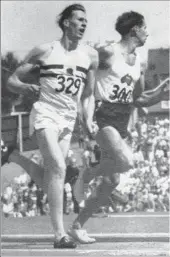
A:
116	84
62	80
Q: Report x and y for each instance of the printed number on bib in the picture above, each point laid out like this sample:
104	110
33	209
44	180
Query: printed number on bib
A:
122	95
68	84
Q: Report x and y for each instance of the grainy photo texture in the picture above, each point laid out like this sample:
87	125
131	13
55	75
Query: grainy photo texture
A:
85	139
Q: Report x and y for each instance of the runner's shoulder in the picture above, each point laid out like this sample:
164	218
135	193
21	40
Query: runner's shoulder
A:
106	48
93	55
43	48
90	50
39	51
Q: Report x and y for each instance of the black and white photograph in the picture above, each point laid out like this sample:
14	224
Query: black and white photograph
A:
85	128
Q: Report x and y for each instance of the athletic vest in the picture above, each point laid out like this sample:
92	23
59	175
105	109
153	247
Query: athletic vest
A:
63	77
116	84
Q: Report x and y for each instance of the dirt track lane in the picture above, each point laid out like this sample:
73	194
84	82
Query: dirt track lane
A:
120	223
97	249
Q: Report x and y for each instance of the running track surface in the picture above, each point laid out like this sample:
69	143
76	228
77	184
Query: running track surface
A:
120	223
97	249
115	223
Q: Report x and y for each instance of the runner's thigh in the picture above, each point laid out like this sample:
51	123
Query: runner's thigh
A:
116	153
64	144
50	149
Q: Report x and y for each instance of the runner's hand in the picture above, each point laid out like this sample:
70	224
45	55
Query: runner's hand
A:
165	84
92	127
32	90
95	128
165	88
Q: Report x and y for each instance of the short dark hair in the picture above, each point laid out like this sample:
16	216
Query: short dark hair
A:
127	21
67	12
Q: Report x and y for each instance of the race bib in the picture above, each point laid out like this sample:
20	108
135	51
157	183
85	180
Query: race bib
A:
69	84
122	93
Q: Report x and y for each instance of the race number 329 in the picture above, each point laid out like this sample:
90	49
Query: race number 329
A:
70	85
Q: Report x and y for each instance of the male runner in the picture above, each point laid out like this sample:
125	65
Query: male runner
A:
119	87
66	73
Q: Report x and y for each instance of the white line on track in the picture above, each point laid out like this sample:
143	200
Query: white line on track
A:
104	237
39	236
131	252
138	216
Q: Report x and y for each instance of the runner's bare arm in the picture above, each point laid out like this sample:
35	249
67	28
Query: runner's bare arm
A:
31	63
139	87
88	101
105	53
148	98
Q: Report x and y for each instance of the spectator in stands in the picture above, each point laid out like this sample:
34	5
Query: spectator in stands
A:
45	204
40	195
81	140
67	207
149	145
88	143
147	186
97	153
138	155
86	158
72	173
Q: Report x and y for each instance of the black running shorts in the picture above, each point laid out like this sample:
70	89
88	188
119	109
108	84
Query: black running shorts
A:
114	115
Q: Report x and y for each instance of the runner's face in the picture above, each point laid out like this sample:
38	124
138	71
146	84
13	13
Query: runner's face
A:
77	24
142	34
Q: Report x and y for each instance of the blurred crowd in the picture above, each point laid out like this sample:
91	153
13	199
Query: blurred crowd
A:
148	184
146	187
24	199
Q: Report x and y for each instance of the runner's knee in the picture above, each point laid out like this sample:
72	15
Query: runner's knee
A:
107	185
117	148
115	178
112	131
128	160
124	158
125	154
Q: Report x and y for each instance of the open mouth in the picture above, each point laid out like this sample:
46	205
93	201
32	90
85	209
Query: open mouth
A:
82	31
